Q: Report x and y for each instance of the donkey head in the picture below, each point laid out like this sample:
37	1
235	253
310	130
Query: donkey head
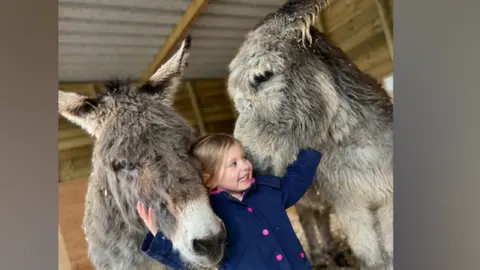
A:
141	150
287	75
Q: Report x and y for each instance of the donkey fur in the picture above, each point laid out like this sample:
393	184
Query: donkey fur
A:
292	89
140	154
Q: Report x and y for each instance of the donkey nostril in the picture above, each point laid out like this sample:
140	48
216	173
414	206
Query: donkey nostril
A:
203	247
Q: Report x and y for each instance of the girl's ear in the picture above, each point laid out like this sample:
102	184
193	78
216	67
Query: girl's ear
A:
207	179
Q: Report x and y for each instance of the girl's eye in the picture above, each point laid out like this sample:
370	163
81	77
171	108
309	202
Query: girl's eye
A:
233	163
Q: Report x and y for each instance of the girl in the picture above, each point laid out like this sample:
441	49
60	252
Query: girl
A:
259	232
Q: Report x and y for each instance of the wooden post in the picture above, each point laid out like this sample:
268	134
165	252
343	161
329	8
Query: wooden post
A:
196	108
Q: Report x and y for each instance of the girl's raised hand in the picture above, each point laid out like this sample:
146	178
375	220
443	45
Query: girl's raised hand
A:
147	218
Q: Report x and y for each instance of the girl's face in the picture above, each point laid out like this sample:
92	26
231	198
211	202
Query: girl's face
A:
235	174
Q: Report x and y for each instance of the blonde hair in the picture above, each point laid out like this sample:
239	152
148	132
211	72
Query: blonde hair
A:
210	151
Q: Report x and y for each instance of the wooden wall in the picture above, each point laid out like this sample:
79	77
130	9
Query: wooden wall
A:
72	245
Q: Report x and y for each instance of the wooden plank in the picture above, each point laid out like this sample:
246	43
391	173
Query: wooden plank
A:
71	199
63	123
222	126
71	133
207	93
63	258
372	58
74	168
79	141
219	117
381	70
373	43
342	12
182	105
73	153
214	99
363	34
383	13
201	85
177	35
365	20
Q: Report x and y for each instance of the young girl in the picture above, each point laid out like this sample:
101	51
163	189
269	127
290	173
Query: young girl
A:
259	232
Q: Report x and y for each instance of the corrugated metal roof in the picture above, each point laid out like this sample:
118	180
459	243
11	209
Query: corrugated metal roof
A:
227	22
101	39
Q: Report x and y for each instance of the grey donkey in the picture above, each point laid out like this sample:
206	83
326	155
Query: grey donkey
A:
140	154
292	89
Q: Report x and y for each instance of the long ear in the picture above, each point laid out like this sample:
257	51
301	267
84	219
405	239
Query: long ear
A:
303	14
77	109
166	81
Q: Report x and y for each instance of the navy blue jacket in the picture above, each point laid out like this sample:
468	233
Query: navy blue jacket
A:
259	232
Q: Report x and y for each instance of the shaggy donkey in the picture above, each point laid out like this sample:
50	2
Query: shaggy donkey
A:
140	154
293	88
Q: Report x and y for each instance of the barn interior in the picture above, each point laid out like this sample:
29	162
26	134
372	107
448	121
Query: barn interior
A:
103	39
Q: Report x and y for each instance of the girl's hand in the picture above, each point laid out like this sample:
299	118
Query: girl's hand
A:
147	218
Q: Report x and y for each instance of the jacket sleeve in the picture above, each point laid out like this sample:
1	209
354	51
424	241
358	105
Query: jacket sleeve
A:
158	247
299	176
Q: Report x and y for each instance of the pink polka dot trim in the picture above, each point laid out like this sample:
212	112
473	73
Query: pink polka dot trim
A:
279	257
249	209
302	255
265	232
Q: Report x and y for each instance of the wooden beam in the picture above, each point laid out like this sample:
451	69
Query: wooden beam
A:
178	33
386	26
196	108
76	142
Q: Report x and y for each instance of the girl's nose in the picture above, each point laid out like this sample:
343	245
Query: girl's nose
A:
246	164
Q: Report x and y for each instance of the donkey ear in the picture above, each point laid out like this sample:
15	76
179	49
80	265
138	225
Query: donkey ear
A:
76	108
166	81
303	14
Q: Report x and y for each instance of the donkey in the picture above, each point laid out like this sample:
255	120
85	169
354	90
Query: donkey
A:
293	88
140	154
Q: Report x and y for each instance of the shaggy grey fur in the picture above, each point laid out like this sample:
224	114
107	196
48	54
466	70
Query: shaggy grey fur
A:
294	89
141	155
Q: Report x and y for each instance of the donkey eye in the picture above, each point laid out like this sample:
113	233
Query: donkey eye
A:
261	78
123	165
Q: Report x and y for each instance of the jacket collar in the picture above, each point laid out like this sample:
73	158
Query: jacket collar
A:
270	181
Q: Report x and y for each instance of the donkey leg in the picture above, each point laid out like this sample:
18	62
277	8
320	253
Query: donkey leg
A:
317	240
385	226
358	224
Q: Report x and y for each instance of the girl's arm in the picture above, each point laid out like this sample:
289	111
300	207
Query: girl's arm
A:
158	247
299	176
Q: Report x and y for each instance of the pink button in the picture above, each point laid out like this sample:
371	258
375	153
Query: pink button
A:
249	209
302	255
279	257
265	232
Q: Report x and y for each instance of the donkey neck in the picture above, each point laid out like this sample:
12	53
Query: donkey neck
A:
353	123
